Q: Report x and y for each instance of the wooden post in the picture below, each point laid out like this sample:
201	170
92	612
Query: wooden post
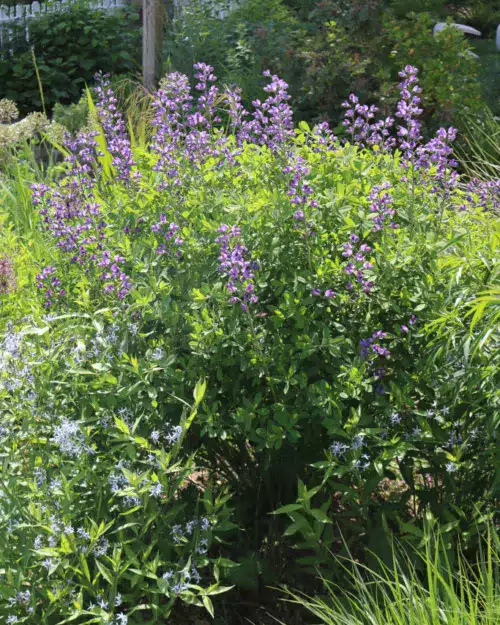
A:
160	9
149	44
153	26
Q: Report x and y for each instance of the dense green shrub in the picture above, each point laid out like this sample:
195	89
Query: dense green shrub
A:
72	116
489	71
69	47
327	303
451	91
327	50
243	42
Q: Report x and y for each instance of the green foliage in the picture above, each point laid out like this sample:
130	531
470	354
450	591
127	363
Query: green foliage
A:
485	16
72	116
294	434
436	8
325	51
489	70
336	64
448	70
98	515
248	40
70	46
481	155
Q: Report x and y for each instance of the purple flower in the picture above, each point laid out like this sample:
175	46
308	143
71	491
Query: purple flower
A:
113	125
365	347
408	111
338	448
324	136
484	194
300	191
271	123
358	265
171	104
48	283
71	215
365	132
236	110
234	264
435	157
381	351
369	345
381	207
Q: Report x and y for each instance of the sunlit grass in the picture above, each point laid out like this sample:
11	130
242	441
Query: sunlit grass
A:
447	593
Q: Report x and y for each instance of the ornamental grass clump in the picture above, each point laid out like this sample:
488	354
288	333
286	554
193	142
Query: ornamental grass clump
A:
325	302
427	587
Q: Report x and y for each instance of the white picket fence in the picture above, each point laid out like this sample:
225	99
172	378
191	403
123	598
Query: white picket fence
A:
22	13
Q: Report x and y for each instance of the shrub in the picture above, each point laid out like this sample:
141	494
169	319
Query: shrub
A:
327	50
72	116
323	291
243	42
449	71
101	518
69	47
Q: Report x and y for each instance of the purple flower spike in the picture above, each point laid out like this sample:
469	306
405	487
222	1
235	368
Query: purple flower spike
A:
232	263
272	122
357	265
437	154
365	132
115	133
408	111
381	207
49	284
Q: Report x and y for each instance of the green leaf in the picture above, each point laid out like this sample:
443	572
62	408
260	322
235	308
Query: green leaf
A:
208	605
319	515
36	331
122	426
218	590
85	566
106	573
199	391
291	507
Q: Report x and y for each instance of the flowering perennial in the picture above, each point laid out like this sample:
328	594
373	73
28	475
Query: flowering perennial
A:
234	265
